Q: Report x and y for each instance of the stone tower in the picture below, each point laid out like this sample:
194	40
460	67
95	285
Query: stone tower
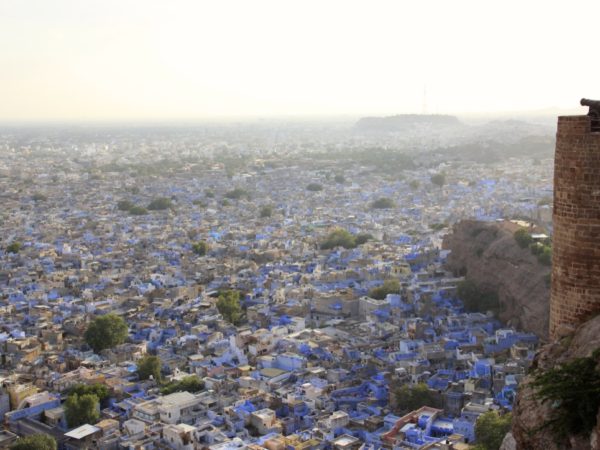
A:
576	241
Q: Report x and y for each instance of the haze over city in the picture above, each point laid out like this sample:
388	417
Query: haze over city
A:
69	60
299	225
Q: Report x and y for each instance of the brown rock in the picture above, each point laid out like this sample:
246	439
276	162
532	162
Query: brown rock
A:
489	255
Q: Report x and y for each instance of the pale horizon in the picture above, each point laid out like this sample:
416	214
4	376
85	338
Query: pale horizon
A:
158	61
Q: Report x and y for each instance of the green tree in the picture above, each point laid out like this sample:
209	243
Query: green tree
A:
14	247
160	203
411	398
200	248
414	184
339	178
439	179
572	389
149	366
39	197
362	238
491	428
97	389
388	287
138	211
314	187
382	203
476	299
83	409
339	238
229	306
189	384
266	211
106	332
35	442
237	194
523	237
125	205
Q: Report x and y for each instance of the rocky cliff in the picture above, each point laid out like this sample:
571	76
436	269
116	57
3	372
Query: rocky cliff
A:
530	427
487	254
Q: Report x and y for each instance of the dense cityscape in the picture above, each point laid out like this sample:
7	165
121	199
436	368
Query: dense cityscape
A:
261	285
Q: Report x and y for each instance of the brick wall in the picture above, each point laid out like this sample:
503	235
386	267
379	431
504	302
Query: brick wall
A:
576	241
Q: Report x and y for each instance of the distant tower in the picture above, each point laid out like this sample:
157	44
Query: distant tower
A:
576	240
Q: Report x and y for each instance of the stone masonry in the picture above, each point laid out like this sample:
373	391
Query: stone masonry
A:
575	293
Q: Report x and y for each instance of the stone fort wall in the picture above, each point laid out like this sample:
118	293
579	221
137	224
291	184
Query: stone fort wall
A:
575	294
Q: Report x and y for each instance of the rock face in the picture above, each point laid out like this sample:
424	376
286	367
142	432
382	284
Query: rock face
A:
530	416
487	254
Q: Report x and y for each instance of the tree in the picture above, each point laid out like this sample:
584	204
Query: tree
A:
523	237
314	187
125	205
491	428
106	332
414	184
339	179
388	287
189	384
411	398
362	238
39	197
266	211
339	238
200	248
14	247
83	409
236	194
97	389
149	366
572	391
160	203
439	179
476	299
138	211
382	203
35	442
228	305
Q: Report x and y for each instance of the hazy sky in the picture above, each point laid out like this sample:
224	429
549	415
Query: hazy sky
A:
178	59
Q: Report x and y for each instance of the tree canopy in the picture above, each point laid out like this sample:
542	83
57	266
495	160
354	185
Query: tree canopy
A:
523	237
314	187
382	203
477	299
35	442
160	203
388	287
341	237
439	179
266	211
83	409
237	194
106	331
189	384
229	306
97	389
200	248
149	366
491	428
14	247
411	398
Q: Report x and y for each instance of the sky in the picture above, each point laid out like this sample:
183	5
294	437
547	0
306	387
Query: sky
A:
185	60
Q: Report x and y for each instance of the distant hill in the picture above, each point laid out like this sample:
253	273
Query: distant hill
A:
402	122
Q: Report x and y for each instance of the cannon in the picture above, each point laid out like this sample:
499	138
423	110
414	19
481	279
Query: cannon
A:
593	113
593	104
